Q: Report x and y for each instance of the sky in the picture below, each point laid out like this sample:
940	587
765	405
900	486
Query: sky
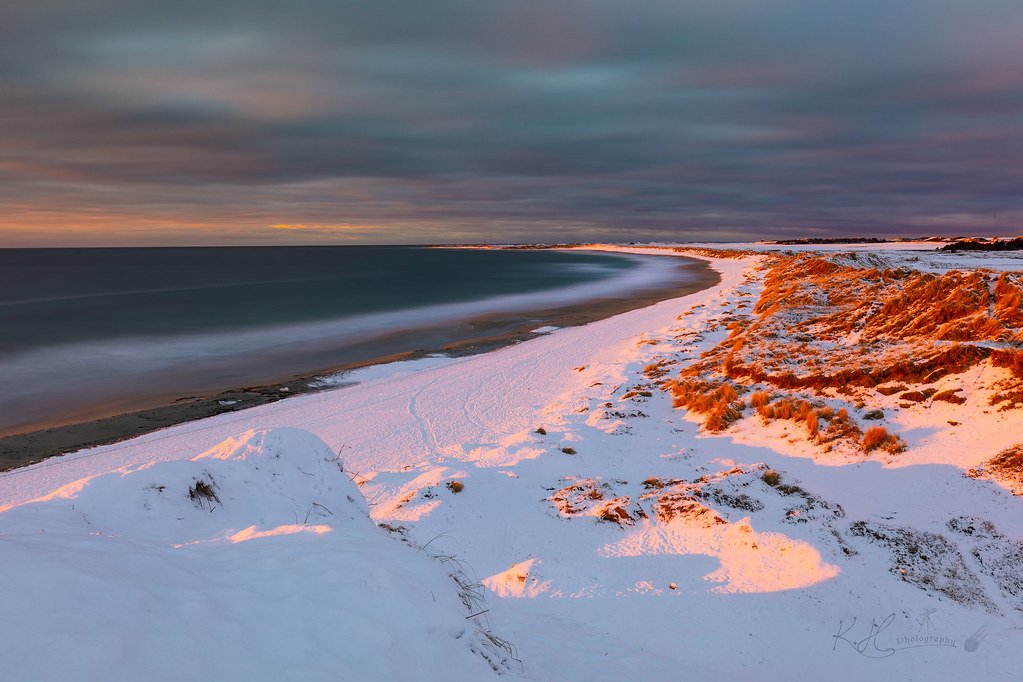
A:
439	121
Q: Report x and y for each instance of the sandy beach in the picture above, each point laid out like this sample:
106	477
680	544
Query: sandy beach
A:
107	422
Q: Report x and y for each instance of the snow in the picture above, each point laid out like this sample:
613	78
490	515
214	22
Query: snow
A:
747	581
122	576
923	256
387	370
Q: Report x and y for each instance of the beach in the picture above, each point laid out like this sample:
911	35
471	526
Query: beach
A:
607	526
186	392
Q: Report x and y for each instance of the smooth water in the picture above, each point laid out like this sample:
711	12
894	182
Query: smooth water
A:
62	296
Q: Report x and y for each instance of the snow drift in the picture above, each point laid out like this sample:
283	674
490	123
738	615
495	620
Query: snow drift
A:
255	560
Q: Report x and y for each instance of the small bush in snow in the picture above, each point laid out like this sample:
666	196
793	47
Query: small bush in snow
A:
202	493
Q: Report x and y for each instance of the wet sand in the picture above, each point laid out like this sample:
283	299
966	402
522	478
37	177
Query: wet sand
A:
115	422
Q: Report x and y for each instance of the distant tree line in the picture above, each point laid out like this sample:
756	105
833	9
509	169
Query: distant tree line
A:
832	240
1014	244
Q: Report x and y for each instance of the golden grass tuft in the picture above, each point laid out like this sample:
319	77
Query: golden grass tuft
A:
718	401
878	437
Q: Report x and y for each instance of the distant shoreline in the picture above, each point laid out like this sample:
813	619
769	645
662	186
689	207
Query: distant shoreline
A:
477	334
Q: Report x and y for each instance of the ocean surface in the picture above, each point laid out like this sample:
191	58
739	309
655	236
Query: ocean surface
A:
85	327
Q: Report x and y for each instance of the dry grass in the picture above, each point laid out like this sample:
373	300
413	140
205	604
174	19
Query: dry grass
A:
203	493
839	323
878	437
1005	467
897	316
1010	359
836	424
1010	395
587	496
635	393
674	505
615	512
657	370
717	401
1010	460
716	253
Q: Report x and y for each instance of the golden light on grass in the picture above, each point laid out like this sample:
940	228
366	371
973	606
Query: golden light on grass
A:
832	325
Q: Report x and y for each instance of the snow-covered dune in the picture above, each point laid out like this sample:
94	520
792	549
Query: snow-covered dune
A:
256	560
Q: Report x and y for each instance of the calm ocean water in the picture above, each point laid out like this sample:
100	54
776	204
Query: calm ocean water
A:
62	296
83	327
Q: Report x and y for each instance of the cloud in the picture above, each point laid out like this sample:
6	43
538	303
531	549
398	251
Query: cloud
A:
458	121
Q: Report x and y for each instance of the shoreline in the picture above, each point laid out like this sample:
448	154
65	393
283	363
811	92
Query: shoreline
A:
582	487
471	336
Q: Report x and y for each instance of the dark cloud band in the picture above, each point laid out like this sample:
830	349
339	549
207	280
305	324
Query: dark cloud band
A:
408	121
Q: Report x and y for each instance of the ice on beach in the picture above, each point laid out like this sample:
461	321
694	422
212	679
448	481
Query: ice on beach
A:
545	330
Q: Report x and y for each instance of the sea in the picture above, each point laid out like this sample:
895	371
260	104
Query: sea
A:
83	330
